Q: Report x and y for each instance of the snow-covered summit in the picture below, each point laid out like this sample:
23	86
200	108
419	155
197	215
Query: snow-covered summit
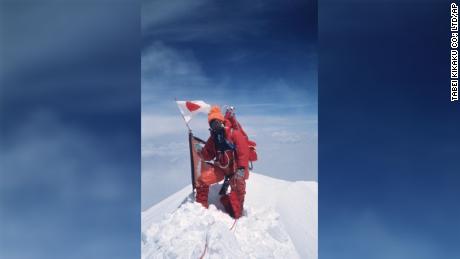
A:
280	221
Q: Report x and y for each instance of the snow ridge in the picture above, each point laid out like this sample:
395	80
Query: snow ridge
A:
279	221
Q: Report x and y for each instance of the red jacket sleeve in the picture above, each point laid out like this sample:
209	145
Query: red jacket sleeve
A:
242	149
209	150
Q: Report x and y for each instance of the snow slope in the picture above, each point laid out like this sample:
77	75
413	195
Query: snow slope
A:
280	221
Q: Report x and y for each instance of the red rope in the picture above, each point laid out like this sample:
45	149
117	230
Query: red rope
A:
206	244
205	248
234	224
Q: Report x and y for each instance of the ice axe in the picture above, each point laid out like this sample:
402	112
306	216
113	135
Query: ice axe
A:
224	188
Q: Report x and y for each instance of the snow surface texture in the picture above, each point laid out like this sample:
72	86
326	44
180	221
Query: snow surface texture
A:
280	221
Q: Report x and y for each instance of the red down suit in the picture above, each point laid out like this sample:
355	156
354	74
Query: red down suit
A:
226	163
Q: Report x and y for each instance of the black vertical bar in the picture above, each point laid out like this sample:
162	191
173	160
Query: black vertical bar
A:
192	166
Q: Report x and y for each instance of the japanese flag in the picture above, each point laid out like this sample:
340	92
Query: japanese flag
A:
190	108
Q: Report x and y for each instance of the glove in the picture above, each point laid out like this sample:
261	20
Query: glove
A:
239	174
198	147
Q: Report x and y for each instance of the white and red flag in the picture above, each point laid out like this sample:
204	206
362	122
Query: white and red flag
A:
191	108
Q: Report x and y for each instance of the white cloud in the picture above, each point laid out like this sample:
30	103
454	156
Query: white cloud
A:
168	73
87	21
182	21
286	137
56	178
160	125
160	12
172	149
47	152
161	61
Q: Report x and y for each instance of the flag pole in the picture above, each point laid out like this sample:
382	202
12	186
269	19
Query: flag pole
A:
190	145
192	160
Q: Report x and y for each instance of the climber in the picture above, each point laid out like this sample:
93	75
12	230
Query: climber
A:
225	155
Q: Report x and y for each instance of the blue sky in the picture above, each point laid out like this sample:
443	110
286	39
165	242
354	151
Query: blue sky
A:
69	129
388	145
258	56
